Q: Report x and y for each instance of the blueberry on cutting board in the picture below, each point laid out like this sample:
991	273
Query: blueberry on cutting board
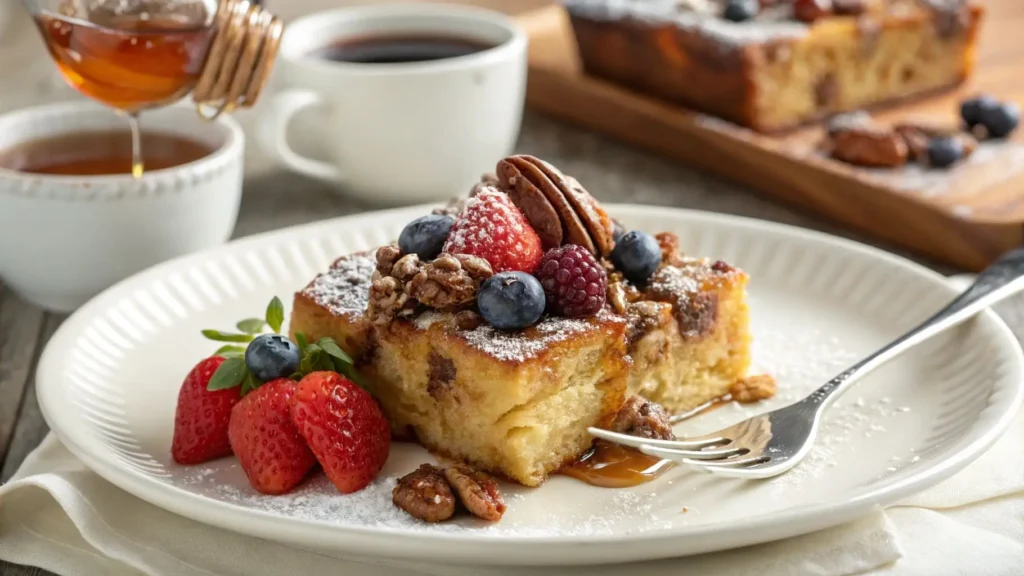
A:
1001	120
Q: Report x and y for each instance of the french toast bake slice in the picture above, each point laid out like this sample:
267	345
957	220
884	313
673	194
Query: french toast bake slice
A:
519	404
492	343
791	62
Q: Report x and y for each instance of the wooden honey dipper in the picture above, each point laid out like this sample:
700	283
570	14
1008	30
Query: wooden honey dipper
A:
239	60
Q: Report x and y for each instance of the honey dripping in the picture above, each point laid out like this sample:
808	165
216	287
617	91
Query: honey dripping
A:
611	465
158	53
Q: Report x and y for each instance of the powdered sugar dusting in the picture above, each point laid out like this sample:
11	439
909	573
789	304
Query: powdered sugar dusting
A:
774	23
496	218
520	346
345	288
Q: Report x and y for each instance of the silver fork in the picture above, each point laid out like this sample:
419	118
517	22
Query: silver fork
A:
770	444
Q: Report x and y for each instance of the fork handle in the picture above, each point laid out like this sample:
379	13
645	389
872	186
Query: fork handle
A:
1003	278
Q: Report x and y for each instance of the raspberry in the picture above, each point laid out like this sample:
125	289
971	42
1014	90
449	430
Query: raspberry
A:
491	227
573	281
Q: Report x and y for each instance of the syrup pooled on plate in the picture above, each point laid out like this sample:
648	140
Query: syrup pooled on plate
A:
610	465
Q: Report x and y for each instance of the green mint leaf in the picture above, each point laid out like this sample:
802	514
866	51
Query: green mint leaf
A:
229	350
229	374
251	382
301	342
324	363
349	371
331	347
310	359
219	336
275	314
251	325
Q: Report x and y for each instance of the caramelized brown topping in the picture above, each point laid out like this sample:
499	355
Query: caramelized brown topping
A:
641	417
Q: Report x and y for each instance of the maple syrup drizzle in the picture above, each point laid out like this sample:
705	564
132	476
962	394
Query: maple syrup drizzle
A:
611	465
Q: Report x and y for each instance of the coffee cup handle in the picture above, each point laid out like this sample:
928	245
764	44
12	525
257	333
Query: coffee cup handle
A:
274	134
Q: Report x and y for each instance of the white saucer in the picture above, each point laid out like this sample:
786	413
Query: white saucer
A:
108	381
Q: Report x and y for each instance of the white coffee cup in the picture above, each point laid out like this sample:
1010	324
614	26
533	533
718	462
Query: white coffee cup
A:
401	132
63	239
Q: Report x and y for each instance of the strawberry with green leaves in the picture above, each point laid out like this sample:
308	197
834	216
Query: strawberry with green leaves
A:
243	401
211	390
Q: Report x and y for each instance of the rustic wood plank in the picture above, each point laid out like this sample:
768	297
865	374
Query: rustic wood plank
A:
978	215
30	428
20	325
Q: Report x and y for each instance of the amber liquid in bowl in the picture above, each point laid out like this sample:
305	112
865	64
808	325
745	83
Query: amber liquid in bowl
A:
132	62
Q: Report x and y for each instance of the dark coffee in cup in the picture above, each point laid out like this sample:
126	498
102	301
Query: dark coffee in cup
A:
398	49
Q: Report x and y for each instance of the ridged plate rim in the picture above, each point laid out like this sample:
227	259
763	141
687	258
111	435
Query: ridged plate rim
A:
519	549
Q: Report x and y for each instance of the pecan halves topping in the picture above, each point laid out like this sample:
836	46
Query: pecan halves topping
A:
426	494
556	205
477	491
670	253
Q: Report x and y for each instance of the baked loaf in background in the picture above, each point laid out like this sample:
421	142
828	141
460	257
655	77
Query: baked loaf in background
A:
791	63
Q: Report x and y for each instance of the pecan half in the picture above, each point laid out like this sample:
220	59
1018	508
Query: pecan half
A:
556	205
812	10
870	146
753	388
641	417
477	491
426	494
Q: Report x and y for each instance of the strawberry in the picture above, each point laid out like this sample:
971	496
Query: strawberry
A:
344	427
491	227
270	449
201	419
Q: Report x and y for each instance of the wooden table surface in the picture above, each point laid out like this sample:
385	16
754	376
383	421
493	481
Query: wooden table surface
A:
274	198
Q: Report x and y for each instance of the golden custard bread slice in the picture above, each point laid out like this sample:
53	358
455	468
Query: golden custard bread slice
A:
519	403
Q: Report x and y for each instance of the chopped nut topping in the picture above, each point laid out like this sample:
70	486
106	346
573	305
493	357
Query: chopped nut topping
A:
386	258
753	388
425	494
670	253
449	282
641	417
477	491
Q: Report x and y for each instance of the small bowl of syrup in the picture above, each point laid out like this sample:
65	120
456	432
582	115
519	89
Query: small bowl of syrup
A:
74	219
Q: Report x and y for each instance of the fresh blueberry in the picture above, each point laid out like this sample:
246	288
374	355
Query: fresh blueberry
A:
618	231
972	109
511	300
272	356
943	152
741	10
637	255
1001	120
425	236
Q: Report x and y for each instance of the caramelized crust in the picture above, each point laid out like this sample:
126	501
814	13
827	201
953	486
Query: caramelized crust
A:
775	72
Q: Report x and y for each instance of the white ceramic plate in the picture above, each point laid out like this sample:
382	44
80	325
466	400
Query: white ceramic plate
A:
108	381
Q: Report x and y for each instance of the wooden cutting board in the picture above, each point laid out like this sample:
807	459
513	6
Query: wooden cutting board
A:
965	216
